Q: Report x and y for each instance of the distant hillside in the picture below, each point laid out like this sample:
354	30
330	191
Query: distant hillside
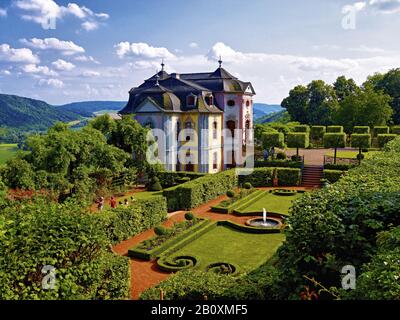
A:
262	109
88	108
281	116
30	114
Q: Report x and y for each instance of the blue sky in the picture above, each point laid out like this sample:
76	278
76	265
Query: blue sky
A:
98	50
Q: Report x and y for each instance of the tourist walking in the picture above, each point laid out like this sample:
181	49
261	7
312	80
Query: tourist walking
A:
100	203
113	203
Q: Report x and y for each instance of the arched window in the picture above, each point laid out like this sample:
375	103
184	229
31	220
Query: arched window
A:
215	127
231	103
247	103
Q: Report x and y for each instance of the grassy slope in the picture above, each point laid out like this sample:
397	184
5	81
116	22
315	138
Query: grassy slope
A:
7	151
223	244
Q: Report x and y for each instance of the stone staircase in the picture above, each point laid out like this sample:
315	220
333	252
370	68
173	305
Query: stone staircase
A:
311	176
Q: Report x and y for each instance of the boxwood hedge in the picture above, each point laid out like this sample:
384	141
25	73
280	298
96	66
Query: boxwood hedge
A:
262	177
333	175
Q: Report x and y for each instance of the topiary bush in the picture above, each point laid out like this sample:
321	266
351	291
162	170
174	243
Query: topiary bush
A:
395	130
335	140
381	130
262	177
317	132
230	193
281	156
189	216
155	185
301	128
247	185
297	140
333	175
160	230
383	139
272	140
361	130
334	129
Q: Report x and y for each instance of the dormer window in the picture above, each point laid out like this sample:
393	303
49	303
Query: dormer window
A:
191	100
209	100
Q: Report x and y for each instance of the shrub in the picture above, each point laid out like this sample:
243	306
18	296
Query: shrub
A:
297	140
189	216
171	178
361	130
262	177
43	233
333	175
341	167
196	192
317	132
230	193
155	185
301	128
361	140
281	156
279	163
383	139
296	158
160	231
360	156
247	185
335	140
273	140
334	129
395	130
381	130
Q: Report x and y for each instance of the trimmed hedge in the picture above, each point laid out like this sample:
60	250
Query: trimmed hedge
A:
395	130
301	128
341	167
171	178
171	263
333	175
273	140
278	164
194	193
361	130
381	130
125	222
335	140
361	140
229	209
297	140
249	229
317	132
262	177
334	129
143	254
383	139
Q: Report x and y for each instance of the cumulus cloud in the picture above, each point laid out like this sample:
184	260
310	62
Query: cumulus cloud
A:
32	68
90	74
142	50
40	11
193	45
54	83
62	65
84	58
378	6
23	55
66	47
3	12
5	72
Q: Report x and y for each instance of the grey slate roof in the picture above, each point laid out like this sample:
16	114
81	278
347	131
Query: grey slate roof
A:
170	92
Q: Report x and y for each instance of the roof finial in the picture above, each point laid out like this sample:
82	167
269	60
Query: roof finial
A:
162	65
220	61
157	77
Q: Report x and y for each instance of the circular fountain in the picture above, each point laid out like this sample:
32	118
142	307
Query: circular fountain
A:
264	222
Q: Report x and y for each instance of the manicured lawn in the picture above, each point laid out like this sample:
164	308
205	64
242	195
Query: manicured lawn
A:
272	203
223	244
137	196
348	154
7	151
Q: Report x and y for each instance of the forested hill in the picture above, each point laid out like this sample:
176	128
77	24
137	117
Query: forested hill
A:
29	114
87	108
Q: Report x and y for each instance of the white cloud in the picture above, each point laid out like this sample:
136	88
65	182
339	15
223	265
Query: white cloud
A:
66	47
3	12
90	25
90	74
23	55
86	59
40	11
142	50
193	45
32	68
224	51
5	72
55	83
379	6
63	65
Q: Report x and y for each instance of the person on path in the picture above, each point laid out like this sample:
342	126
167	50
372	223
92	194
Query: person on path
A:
100	204
113	203
126	202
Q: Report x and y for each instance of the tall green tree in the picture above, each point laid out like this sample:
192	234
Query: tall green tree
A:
297	104
322	103
365	107
344	87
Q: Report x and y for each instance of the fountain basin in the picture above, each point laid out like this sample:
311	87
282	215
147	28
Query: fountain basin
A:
268	223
